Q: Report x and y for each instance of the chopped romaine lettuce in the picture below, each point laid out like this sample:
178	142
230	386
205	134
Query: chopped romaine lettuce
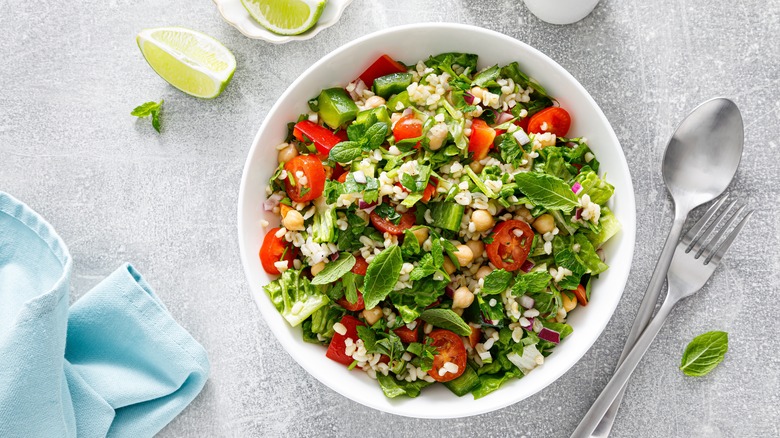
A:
295	297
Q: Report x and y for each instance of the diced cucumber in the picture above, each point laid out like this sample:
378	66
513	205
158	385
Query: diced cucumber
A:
464	383
379	112
399	102
368	168
447	215
386	86
336	107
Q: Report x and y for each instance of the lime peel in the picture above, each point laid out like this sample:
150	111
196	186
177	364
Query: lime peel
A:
286	17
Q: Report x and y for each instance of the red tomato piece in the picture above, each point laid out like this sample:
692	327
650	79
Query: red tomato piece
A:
358	306
360	266
509	250
386	226
451	349
428	193
523	123
314	172
343	177
322	137
383	66
337	344
581	294
554	119
407	126
275	249
408	335
481	139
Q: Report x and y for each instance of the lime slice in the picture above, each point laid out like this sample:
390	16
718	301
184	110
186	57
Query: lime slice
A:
285	17
193	62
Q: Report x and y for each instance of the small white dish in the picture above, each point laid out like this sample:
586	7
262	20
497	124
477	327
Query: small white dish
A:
409	44
561	11
237	16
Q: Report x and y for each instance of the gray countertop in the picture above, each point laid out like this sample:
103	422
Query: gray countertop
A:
117	191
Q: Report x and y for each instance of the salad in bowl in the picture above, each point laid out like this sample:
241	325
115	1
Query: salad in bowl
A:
437	224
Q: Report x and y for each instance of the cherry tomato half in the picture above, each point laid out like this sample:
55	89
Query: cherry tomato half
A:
554	119
451	349
312	169
275	249
481	139
407	126
509	250
386	226
474	336
408	335
337	344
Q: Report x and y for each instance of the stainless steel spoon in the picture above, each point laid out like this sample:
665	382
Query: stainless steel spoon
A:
699	163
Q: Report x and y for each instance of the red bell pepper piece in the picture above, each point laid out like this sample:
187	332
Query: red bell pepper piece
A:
383	66
322	137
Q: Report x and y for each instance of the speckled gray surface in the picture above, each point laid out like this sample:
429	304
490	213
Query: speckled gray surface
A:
117	191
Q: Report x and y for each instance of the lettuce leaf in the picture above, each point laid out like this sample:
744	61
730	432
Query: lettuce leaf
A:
599	190
295	297
609	227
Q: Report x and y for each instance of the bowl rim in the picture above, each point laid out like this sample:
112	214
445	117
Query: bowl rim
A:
628	221
282	39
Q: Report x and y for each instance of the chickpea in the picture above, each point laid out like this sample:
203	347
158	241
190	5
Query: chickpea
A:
293	221
448	266
544	223
524	214
374	101
462	298
284	209
478	92
483	220
483	272
437	135
476	247
458	311
372	315
476	166
317	268
421	234
287	154
569	302
464	255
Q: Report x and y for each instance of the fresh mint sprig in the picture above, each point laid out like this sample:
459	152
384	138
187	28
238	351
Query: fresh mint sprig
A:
149	109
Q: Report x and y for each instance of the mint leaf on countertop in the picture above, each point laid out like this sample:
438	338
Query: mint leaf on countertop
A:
704	353
149	109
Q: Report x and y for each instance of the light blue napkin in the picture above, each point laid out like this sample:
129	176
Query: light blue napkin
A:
115	363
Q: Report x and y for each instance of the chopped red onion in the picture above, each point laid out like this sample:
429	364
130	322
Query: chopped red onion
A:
468	97
334	256
527	266
550	335
363	205
576	187
521	137
449	291
272	202
528	326
578	213
504	117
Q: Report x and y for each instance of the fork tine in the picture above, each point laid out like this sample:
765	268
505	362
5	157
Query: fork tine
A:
723	247
688	237
712	243
696	243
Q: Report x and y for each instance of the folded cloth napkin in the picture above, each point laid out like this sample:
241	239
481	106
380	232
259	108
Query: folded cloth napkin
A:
113	364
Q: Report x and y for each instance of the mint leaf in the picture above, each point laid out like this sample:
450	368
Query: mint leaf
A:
350	287
149	109
335	269
375	135
496	282
704	353
346	151
535	281
382	275
424	268
446	319
547	191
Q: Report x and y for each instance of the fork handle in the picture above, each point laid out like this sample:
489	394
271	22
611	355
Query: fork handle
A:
623	373
645	312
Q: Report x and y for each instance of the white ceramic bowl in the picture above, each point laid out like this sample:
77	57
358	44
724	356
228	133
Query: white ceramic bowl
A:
237	16
410	44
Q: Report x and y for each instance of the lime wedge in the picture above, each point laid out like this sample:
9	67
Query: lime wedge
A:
193	62
285	17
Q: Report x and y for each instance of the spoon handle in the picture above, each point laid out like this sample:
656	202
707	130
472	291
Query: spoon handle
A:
644	314
623	373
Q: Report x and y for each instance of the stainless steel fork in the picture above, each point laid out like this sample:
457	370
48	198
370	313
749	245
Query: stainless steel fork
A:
697	255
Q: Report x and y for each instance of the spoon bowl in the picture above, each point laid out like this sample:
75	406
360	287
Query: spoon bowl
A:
702	156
